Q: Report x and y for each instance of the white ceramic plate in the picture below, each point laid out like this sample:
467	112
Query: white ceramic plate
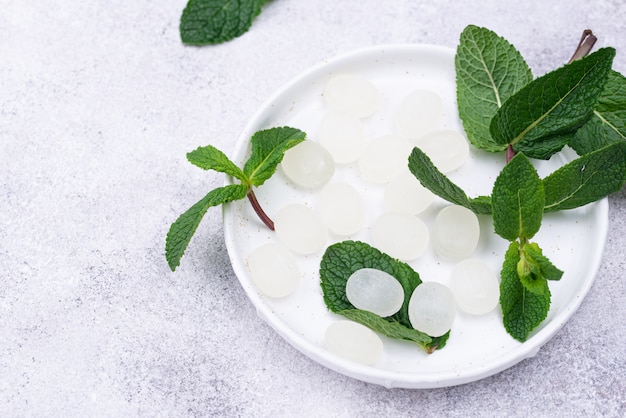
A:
478	345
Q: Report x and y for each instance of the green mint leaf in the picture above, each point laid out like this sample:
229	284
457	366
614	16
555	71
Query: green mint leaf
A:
552	106
183	228
210	158
434	180
215	21
388	328
522	310
268	149
517	200
547	270
489	70
587	178
342	259
608	123
529	273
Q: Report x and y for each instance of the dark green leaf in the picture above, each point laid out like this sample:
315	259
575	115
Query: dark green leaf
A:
552	106
215	21
522	311
587	178
183	228
489	70
608	123
342	259
210	158
390	329
268	149
431	178
517	200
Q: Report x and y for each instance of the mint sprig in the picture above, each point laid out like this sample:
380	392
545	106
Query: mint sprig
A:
342	259
267	150
206	22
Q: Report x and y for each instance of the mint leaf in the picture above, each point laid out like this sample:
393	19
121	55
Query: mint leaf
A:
522	310
268	149
183	228
388	328
529	272
552	106
210	158
608	123
489	70
215	21
587	178
342	259
517	200
431	178
547	270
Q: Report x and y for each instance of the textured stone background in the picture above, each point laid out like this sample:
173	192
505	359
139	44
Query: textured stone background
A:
100	101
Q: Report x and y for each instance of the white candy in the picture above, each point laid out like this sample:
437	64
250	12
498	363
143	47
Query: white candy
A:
375	291
384	158
405	194
308	164
475	287
447	149
301	229
432	309
342	209
456	232
274	270
353	94
402	236
341	133
419	112
354	341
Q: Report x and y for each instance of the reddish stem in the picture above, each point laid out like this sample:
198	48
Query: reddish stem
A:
259	211
510	153
587	41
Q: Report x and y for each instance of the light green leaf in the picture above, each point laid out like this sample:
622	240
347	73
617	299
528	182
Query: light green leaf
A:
268	149
552	106
586	179
608	123
216	21
517	200
210	158
183	228
489	70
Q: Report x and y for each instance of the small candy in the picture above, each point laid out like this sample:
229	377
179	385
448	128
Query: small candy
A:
402	236
405	194
432	309
375	291
456	232
353	94
308	164
301	229
342	209
447	149
274	270
420	112
384	158
354	341
341	133
475	287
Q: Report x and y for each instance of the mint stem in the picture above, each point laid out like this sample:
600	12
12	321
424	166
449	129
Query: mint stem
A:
259	211
510	153
587	41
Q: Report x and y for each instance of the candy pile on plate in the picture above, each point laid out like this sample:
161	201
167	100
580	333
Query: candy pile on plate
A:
341	213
